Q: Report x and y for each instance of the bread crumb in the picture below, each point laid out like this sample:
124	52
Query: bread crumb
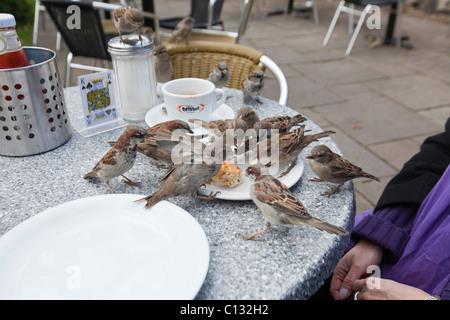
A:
229	175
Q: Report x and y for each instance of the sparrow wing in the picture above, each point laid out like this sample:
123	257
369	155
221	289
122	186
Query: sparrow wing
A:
343	168
108	159
276	194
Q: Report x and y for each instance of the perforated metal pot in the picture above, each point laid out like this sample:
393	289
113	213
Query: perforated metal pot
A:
33	114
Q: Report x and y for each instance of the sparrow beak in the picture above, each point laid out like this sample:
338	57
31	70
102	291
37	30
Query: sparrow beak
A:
310	157
147	134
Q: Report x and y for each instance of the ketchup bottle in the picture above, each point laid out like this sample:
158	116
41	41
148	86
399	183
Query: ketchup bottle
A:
11	51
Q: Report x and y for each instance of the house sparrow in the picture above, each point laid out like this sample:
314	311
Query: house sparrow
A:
331	167
281	123
185	178
153	145
120	158
159	147
183	30
220	75
290	145
253	85
170	125
217	128
163	66
279	206
248	115
128	19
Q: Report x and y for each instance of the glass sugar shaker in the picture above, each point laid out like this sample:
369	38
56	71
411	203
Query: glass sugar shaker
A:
134	75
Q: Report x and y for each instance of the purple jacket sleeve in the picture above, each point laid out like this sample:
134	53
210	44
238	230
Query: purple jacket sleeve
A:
388	227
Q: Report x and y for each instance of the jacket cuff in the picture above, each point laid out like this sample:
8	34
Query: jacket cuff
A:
389	228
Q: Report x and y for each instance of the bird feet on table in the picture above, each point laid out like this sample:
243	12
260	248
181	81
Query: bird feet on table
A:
329	193
110	189
250	237
159	166
131	183
316	180
210	197
292	165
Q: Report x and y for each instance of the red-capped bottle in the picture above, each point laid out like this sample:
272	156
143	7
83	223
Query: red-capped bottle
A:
11	51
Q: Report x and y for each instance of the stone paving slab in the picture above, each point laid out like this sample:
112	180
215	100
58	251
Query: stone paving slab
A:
396	152
415	91
337	72
376	120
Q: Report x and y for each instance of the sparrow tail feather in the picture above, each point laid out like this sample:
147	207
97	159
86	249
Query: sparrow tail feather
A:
368	175
328	227
153	199
313	137
91	175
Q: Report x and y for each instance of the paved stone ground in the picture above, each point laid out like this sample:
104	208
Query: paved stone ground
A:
382	102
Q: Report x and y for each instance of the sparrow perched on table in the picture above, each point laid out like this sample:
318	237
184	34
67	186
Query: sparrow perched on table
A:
120	158
279	206
217	128
163	66
248	115
253	85
185	178
161	150
281	123
220	75
331	167
128	19
183	30
170	125
290	145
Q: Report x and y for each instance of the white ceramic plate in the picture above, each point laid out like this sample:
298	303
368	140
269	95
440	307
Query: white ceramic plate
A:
157	115
242	191
104	247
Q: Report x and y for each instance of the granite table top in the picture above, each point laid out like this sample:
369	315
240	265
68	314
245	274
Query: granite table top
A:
291	262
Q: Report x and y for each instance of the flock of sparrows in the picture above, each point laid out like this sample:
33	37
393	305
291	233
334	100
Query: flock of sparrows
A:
276	202
129	19
274	199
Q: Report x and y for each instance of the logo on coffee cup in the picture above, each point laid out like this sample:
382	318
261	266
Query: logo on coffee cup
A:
188	108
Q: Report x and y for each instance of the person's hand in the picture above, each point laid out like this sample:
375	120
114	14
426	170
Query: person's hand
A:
353	266
387	290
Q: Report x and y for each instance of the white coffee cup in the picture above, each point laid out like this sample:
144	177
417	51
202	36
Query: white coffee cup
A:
191	98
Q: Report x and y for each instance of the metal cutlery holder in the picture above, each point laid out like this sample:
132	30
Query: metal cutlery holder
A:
33	114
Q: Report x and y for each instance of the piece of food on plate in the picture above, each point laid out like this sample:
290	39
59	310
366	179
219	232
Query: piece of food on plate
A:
230	175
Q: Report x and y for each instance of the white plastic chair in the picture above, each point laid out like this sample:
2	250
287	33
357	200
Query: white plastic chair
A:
38	8
367	4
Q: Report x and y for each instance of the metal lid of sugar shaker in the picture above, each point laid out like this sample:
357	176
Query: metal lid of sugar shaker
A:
130	45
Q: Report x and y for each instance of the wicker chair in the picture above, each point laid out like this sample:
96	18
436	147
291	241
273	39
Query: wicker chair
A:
199	57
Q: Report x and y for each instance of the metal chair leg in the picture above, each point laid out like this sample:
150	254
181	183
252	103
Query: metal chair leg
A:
333	22
68	70
58	41
358	27
350	18
36	21
315	12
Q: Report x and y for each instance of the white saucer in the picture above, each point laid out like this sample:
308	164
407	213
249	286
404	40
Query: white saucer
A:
242	191
158	114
